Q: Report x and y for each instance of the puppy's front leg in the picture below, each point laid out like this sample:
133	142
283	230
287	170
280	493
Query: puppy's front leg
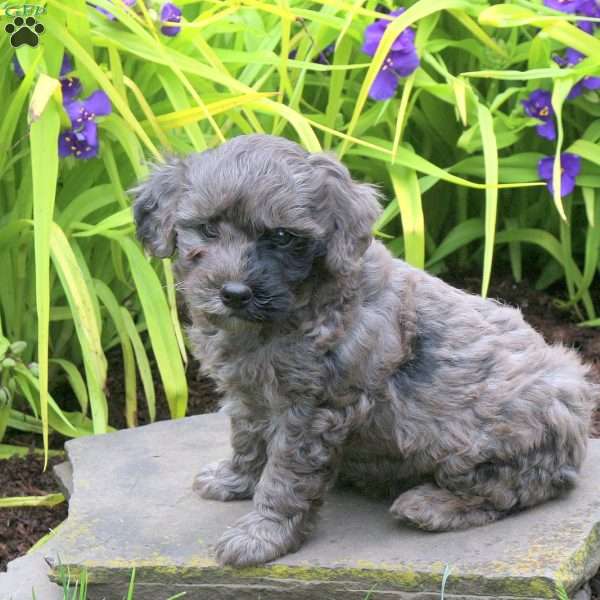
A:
303	457
236	478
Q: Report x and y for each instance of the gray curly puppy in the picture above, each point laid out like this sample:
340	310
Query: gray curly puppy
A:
339	362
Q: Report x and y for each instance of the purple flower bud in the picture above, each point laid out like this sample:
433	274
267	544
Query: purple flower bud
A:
67	65
71	87
539	106
170	12
81	142
401	61
570	168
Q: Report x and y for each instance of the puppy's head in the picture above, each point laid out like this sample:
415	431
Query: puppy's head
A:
253	222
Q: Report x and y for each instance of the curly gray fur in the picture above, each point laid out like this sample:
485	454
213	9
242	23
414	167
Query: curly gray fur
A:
348	364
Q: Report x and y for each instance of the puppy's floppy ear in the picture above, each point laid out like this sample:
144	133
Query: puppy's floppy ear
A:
155	206
350	210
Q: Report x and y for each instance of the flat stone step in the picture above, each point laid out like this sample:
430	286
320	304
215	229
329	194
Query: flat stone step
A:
132	505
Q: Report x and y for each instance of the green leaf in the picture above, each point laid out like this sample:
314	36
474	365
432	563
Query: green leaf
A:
142	362
417	11
162	336
122	218
7	450
461	235
88	328
44	164
75	381
408	197
13	112
48	500
116	313
560	92
490	155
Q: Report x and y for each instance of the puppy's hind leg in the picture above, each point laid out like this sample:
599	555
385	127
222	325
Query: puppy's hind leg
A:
433	508
468	497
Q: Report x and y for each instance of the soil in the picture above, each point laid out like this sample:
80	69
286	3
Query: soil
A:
21	528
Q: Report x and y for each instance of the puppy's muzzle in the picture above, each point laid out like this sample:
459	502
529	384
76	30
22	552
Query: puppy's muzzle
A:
235	295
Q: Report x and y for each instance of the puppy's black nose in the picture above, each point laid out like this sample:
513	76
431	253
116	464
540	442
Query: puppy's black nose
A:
235	295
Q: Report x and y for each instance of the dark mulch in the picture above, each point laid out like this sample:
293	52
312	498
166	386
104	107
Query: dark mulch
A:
202	398
21	528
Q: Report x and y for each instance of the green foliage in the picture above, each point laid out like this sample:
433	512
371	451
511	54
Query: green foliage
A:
48	500
453	150
561	593
447	570
72	590
77	589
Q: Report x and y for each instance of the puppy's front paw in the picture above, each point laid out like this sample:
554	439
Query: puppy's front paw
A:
219	481
254	540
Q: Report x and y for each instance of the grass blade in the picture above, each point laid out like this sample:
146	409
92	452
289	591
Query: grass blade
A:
44	165
88	328
490	156
48	500
408	197
162	336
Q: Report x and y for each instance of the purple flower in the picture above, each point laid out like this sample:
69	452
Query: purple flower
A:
588	8
82	139
570	167
96	105
539	106
66	66
108	14
170	12
570	59
565	6
81	143
374	32
71	87
401	61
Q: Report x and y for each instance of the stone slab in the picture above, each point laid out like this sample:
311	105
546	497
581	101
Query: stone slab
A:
27	575
132	504
63	472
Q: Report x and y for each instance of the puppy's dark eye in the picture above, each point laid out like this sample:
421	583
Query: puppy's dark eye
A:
208	231
281	237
